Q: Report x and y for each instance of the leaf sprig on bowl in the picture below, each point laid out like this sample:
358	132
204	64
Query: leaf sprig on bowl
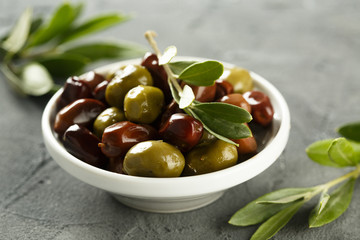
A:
225	121
274	210
35	51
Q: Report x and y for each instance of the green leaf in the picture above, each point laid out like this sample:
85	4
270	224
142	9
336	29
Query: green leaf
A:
179	66
168	54
318	152
350	131
342	153
59	23
337	204
356	148
106	50
36	80
186	97
19	33
224	119
202	74
254	213
64	65
274	224
35	25
93	25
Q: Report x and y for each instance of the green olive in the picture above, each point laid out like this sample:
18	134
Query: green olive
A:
240	79
128	77
210	158
108	117
154	159
143	104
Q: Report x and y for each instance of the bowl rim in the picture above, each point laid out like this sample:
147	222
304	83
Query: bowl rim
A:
148	187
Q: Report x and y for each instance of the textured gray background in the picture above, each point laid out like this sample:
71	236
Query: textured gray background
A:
308	49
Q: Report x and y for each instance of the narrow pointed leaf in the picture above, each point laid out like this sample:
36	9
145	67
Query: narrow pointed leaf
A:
283	200
254	213
217	135
36	80
179	66
324	198
202	74
64	65
225	119
106	50
169	53
350	131
342	153
318	152
95	24
336	205
59	23
186	97
274	224
19	33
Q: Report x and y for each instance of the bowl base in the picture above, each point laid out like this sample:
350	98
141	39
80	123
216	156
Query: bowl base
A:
168	205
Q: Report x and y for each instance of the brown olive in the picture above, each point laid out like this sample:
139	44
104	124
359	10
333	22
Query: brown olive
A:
154	159
182	130
83	144
158	74
203	93
92	79
73	90
82	112
118	138
261	108
236	99
99	91
223	88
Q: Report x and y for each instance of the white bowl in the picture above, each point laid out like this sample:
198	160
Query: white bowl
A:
167	195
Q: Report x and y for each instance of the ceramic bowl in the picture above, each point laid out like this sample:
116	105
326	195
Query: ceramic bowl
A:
166	195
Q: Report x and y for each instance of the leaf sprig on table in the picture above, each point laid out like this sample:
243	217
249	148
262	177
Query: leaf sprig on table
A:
224	121
274	210
36	51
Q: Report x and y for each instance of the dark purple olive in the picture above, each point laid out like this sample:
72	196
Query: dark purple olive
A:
118	138
82	112
261	108
73	90
169	110
99	91
158	74
182	131
83	144
92	79
116	165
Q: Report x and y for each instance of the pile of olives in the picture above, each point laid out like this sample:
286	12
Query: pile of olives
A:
127	122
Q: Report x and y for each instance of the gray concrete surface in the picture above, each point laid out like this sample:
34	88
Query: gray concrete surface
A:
308	49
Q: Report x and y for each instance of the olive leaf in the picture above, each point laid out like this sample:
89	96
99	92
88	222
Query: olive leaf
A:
274	224
202	74
59	23
350	131
179	66
227	119
318	152
93	25
19	34
254	212
168	54
336	205
36	79
64	65
106	50
342	153
186	97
